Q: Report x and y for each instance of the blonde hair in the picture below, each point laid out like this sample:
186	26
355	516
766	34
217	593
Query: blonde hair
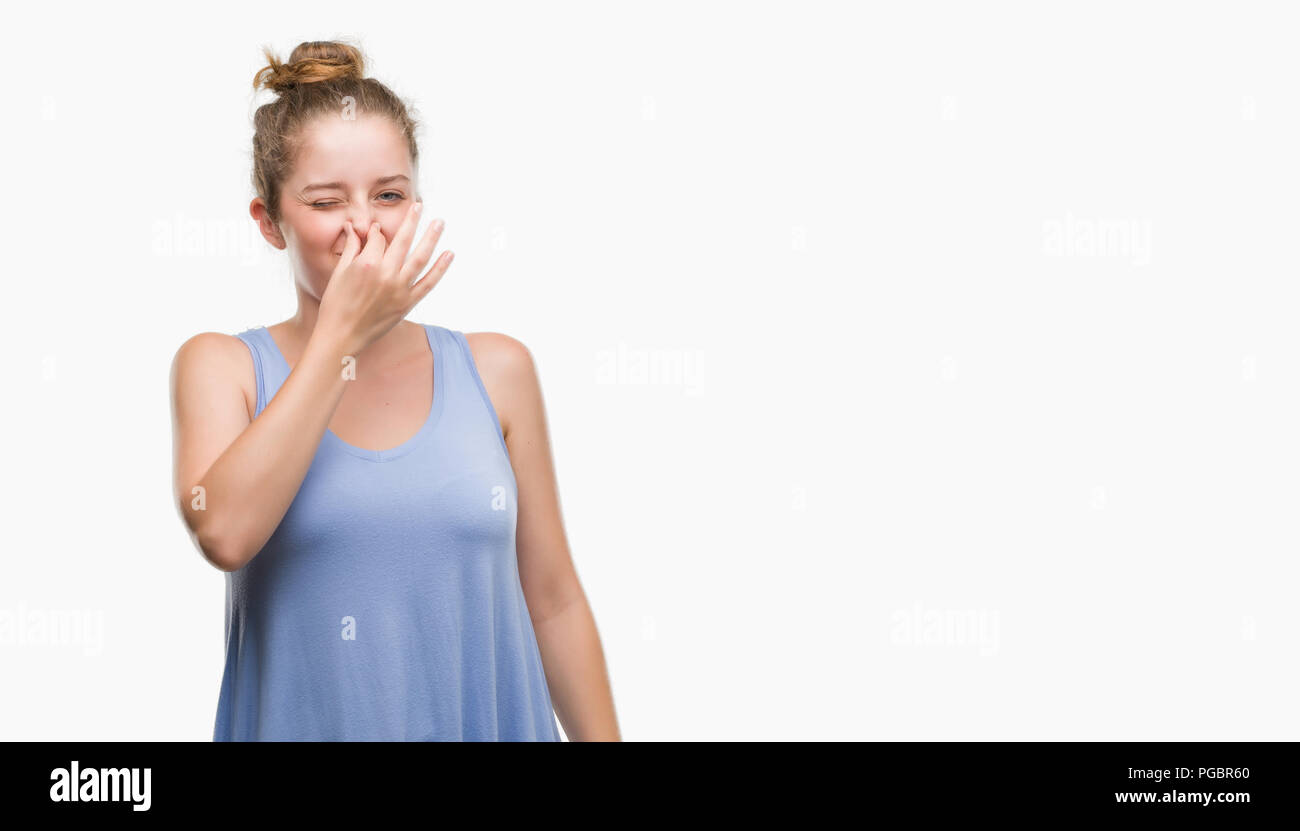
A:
314	82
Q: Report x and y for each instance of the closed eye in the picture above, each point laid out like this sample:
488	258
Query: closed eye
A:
399	198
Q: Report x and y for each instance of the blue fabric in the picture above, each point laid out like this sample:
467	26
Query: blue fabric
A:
387	604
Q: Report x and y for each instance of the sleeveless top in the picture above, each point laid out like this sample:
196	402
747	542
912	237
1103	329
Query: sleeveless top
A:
387	606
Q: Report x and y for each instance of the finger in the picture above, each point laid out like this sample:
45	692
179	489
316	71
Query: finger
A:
374	250
351	246
402	239
424	250
430	279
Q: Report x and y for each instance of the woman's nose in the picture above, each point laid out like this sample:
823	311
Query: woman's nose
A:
361	227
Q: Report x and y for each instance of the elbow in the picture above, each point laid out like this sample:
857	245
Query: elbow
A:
554	598
221	561
217	546
216	552
226	555
217	549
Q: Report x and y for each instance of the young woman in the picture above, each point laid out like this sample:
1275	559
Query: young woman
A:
379	493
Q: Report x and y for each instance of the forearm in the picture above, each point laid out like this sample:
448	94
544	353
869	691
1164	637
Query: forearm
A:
576	673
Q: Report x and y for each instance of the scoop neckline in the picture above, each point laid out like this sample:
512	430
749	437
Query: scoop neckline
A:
435	408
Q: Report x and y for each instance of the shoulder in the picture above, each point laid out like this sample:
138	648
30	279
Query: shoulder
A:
508	371
212	350
498	352
215	355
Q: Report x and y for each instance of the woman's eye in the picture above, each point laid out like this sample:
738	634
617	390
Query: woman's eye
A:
393	193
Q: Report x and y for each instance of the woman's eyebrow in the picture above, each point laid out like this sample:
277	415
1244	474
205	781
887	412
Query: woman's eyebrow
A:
327	185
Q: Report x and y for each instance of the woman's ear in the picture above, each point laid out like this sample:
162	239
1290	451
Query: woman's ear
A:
270	231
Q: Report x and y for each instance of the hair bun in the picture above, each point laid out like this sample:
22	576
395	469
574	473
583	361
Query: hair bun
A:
311	62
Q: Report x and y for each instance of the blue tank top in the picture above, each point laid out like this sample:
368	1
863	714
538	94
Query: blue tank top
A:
387	606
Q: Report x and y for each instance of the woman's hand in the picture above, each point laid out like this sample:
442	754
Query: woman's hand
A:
372	288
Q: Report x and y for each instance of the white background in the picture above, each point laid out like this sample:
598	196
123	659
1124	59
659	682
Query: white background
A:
991	428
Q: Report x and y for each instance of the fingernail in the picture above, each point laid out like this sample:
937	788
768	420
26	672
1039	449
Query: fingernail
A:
417	207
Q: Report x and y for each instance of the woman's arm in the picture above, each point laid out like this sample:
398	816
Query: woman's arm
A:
249	472
562	618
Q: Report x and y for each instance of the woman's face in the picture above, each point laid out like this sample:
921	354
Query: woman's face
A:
358	170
